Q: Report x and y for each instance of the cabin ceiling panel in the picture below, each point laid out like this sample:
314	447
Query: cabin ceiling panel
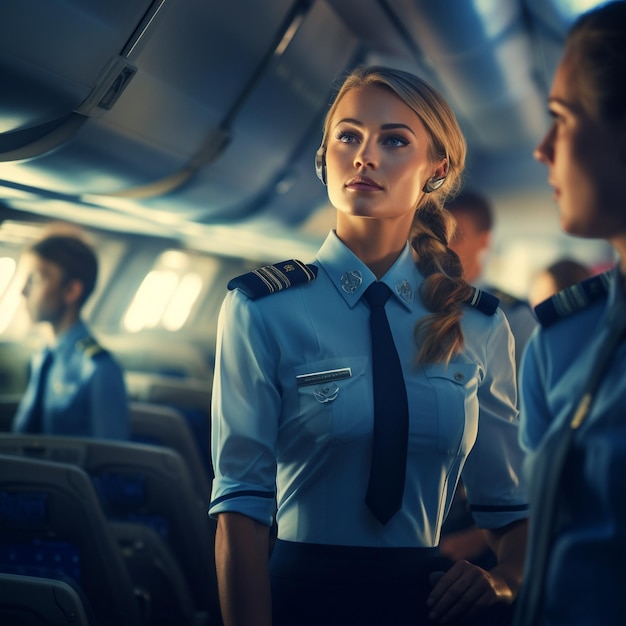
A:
58	48
221	120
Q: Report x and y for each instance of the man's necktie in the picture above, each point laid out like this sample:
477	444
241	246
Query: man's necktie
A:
547	475
391	413
35	422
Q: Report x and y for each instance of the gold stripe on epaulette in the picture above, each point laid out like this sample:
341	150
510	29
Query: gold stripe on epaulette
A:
93	350
89	346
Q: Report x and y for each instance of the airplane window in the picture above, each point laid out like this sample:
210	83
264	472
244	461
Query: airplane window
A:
180	305
167	295
154	294
7	269
10	292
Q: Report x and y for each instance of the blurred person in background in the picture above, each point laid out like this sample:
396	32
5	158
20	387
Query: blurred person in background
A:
472	240
75	387
556	277
461	539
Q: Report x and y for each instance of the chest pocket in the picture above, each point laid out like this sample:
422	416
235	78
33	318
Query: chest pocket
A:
454	422
65	390
70	383
334	399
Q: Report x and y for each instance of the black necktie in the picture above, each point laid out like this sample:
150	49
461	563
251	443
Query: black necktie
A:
391	413
35	423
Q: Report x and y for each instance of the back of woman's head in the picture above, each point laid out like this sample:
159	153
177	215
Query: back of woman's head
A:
438	334
596	44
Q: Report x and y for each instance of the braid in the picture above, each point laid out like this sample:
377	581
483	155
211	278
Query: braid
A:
438	335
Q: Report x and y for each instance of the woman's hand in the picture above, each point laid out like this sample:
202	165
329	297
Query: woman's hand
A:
466	589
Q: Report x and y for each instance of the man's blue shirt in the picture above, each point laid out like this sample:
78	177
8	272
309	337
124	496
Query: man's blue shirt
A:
84	394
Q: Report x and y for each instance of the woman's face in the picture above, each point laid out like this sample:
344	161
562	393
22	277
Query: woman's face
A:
377	155
585	161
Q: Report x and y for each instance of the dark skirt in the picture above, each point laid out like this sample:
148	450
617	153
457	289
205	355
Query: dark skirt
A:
321	585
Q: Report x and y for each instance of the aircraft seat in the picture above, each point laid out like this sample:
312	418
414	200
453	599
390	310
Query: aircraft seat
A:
190	396
52	525
157	575
35	601
143	484
165	426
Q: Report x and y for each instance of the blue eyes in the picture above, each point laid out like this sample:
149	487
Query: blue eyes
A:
396	141
346	138
393	141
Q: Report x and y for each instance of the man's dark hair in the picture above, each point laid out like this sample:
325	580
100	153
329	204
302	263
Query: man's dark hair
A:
474	205
77	259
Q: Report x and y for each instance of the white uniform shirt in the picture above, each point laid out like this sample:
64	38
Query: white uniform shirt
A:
314	441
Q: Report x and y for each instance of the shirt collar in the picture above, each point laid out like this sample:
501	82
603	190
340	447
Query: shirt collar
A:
68	338
351	277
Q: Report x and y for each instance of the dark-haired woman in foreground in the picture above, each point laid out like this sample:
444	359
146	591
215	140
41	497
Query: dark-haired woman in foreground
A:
573	375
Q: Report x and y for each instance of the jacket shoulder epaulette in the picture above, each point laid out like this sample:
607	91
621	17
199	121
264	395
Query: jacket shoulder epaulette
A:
89	347
483	301
273	278
506	299
573	299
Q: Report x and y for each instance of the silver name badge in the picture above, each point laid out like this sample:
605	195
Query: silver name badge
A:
316	378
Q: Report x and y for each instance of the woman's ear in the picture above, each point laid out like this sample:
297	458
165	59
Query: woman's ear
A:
442	169
438	178
73	292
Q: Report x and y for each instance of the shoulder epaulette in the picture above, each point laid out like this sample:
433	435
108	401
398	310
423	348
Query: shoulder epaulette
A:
483	301
89	346
506	298
572	299
272	278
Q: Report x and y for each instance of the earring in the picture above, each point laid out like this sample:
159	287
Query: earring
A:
320	164
432	184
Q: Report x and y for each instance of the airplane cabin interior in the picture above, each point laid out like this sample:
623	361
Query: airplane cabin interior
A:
178	136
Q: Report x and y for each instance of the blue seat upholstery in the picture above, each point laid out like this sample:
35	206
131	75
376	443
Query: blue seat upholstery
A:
143	484
165	426
52	525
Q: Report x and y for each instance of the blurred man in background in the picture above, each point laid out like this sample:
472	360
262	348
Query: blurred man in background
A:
76	387
460	538
474	218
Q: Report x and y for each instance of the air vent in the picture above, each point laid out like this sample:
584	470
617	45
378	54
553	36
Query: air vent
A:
117	88
109	87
